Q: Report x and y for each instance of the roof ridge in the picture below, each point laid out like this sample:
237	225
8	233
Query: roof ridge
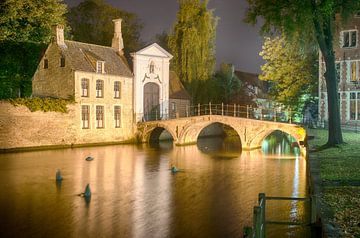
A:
90	44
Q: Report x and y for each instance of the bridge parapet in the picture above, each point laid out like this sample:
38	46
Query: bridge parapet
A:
251	132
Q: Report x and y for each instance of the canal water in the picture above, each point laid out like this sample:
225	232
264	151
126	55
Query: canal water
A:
134	193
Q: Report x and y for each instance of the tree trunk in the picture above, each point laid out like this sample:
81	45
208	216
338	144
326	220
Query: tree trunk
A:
334	131
325	38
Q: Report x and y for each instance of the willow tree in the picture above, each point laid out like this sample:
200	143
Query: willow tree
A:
291	71
192	42
309	19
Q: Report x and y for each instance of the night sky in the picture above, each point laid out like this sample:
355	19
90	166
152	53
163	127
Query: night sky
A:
236	42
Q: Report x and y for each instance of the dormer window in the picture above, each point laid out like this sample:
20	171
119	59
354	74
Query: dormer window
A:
62	61
100	67
152	67
349	38
46	63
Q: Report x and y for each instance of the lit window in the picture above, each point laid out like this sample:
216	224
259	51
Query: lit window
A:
99	116
353	69
100	67
99	88
85	112
117	89
46	63
84	87
349	39
117	116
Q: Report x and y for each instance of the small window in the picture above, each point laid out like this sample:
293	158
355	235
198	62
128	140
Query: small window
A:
99	116
152	67
85	112
99	88
62	61
117	116
117	88
84	87
46	63
173	106
349	39
100	67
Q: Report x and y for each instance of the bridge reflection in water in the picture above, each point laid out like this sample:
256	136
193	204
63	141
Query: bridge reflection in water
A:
134	194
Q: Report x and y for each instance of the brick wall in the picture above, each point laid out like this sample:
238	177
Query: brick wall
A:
21	128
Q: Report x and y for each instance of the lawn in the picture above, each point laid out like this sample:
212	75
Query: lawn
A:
340	166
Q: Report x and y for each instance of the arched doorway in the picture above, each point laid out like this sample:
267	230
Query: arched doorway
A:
151	101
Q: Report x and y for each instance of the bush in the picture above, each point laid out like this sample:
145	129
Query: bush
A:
42	104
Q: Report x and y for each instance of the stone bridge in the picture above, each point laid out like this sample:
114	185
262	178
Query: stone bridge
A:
186	130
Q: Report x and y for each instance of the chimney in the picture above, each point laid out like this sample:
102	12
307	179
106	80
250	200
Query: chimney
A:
117	41
58	35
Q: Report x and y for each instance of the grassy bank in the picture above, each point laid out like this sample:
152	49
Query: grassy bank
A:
339	169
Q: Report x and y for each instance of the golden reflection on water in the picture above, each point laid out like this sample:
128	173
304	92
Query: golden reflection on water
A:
134	193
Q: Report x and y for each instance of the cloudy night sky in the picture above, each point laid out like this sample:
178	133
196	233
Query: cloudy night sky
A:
236	41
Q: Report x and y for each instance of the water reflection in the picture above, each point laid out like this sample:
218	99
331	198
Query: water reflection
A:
134	193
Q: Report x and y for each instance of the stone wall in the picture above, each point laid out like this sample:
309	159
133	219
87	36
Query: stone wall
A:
55	81
21	128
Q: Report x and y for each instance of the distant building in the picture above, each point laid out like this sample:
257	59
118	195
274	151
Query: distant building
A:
347	62
255	90
110	97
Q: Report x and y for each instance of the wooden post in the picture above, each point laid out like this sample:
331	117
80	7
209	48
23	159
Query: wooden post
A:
312	209
198	109
257	222
234	110
247	111
290	113
222	109
262	204
210	108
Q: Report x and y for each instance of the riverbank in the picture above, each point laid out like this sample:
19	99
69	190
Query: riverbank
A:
336	176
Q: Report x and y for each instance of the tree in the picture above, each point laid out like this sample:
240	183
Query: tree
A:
291	70
162	39
29	20
309	19
228	84
25	27
192	43
91	22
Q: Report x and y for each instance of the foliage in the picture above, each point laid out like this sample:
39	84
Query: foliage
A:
291	71
192	43
345	203
42	104
162	39
91	22
228	84
310	21
18	63
29	20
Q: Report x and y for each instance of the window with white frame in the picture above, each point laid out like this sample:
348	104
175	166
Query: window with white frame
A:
85	114
99	88
117	88
117	116
84	87
99	116
349	38
100	67
354	106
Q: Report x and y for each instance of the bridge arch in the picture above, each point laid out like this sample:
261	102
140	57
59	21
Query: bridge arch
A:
298	134
155	133
191	132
